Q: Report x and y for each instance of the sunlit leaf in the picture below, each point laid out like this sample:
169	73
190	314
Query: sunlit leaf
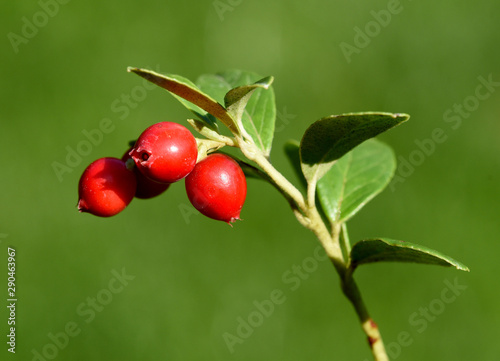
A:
355	179
328	139
200	103
388	250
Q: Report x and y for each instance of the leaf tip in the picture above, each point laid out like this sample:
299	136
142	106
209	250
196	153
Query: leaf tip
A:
462	267
402	115
266	82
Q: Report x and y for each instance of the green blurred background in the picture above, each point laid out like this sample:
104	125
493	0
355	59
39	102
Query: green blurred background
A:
189	279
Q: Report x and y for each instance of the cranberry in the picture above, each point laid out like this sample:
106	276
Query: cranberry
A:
146	188
217	187
165	152
106	187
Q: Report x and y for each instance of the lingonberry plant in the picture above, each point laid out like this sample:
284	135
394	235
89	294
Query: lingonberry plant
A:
339	164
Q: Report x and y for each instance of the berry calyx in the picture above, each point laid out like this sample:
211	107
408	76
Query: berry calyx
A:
146	187
165	152
106	187
217	187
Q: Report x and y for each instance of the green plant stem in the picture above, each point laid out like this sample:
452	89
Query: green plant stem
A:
369	326
351	291
307	214
254	154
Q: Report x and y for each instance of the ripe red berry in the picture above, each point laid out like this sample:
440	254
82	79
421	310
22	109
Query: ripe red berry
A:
146	188
217	187
106	187
165	152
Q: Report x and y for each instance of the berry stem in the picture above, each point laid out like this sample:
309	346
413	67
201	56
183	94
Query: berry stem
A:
206	146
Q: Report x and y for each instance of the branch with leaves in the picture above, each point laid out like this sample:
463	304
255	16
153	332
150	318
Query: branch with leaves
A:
340	164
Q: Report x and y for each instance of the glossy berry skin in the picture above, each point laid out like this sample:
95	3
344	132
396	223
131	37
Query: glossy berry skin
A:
146	188
106	187
217	187
165	152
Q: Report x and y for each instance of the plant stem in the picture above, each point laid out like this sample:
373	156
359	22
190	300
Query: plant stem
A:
369	326
348	285
307	214
253	153
351	291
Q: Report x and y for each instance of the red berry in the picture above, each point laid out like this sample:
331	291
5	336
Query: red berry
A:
106	187
165	152
146	188
217	187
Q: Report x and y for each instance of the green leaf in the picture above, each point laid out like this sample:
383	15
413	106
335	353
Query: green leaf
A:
355	179
201	128
388	250
293	154
191	97
237	98
258	117
214	85
328	139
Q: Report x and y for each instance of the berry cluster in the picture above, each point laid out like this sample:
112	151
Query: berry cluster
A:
163	154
